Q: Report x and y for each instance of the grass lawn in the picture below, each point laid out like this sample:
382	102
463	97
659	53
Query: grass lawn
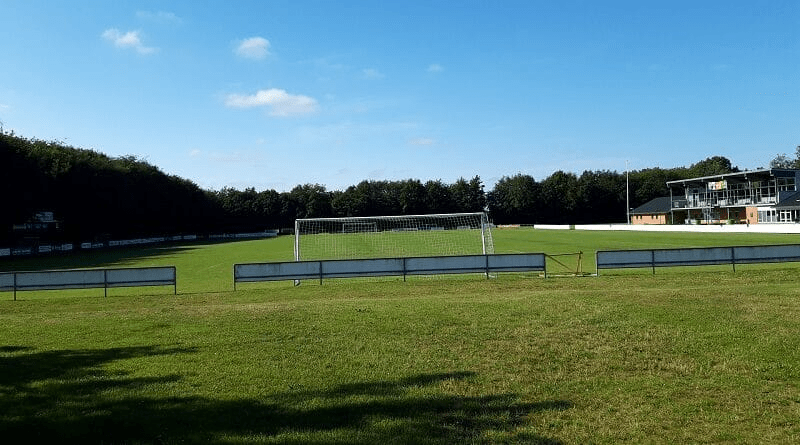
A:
699	355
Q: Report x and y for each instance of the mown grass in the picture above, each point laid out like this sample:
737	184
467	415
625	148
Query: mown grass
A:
702	356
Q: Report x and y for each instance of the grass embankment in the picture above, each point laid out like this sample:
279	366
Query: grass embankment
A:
702	355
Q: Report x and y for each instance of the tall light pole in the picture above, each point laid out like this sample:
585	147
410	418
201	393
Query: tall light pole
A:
627	194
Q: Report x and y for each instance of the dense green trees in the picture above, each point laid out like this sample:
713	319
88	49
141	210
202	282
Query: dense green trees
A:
95	196
515	199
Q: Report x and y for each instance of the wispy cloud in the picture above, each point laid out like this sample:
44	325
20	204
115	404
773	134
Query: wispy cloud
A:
422	141
255	48
127	40
237	157
372	73
278	101
159	17
435	68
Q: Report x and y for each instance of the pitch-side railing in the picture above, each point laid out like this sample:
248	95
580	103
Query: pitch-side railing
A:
701	256
88	279
376	267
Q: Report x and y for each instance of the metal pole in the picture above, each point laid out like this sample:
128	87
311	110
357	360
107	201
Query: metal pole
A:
297	240
297	246
484	222
671	208
627	194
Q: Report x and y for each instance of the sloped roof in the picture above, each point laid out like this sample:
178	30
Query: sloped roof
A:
657	205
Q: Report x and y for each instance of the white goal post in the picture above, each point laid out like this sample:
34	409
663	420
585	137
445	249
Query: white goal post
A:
392	236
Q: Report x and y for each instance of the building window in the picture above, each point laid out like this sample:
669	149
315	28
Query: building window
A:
788	216
767	216
786	184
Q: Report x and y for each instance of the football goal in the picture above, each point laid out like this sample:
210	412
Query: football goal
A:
392	236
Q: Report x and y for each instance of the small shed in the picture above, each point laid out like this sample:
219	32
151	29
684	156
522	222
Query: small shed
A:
655	211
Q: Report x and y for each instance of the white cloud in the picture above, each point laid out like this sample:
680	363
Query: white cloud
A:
130	39
422	141
279	101
372	73
435	68
255	48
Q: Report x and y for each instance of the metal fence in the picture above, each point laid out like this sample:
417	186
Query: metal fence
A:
88	279
702	256
376	267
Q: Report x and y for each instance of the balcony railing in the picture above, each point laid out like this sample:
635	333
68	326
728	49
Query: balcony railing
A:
724	202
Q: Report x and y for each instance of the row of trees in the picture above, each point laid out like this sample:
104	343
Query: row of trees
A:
592	197
96	196
249	208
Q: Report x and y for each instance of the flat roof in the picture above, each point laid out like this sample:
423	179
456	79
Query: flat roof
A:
781	172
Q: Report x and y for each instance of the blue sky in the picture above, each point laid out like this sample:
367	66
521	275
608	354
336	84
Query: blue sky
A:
272	94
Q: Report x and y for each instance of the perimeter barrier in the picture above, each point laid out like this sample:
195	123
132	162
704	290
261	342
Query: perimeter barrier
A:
701	256
88	279
377	267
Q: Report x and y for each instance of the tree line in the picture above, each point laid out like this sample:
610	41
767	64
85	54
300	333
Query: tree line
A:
94	196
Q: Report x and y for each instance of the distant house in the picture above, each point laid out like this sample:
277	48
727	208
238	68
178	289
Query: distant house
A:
40	223
656	211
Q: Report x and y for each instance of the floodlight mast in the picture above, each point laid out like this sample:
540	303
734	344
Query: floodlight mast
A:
627	195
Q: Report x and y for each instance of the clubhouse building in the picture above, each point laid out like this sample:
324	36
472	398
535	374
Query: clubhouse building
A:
749	197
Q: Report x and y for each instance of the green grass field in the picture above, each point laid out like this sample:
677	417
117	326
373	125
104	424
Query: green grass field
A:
697	355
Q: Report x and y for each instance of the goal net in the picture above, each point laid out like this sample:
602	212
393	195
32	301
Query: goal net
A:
392	236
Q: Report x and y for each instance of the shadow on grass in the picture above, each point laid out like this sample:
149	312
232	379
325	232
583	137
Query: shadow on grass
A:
111	257
66	396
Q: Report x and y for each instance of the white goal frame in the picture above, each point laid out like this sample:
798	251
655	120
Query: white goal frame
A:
438	234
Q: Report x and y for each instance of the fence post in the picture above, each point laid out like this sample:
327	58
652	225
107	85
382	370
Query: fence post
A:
15	286
544	255
653	260
596	263
733	259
